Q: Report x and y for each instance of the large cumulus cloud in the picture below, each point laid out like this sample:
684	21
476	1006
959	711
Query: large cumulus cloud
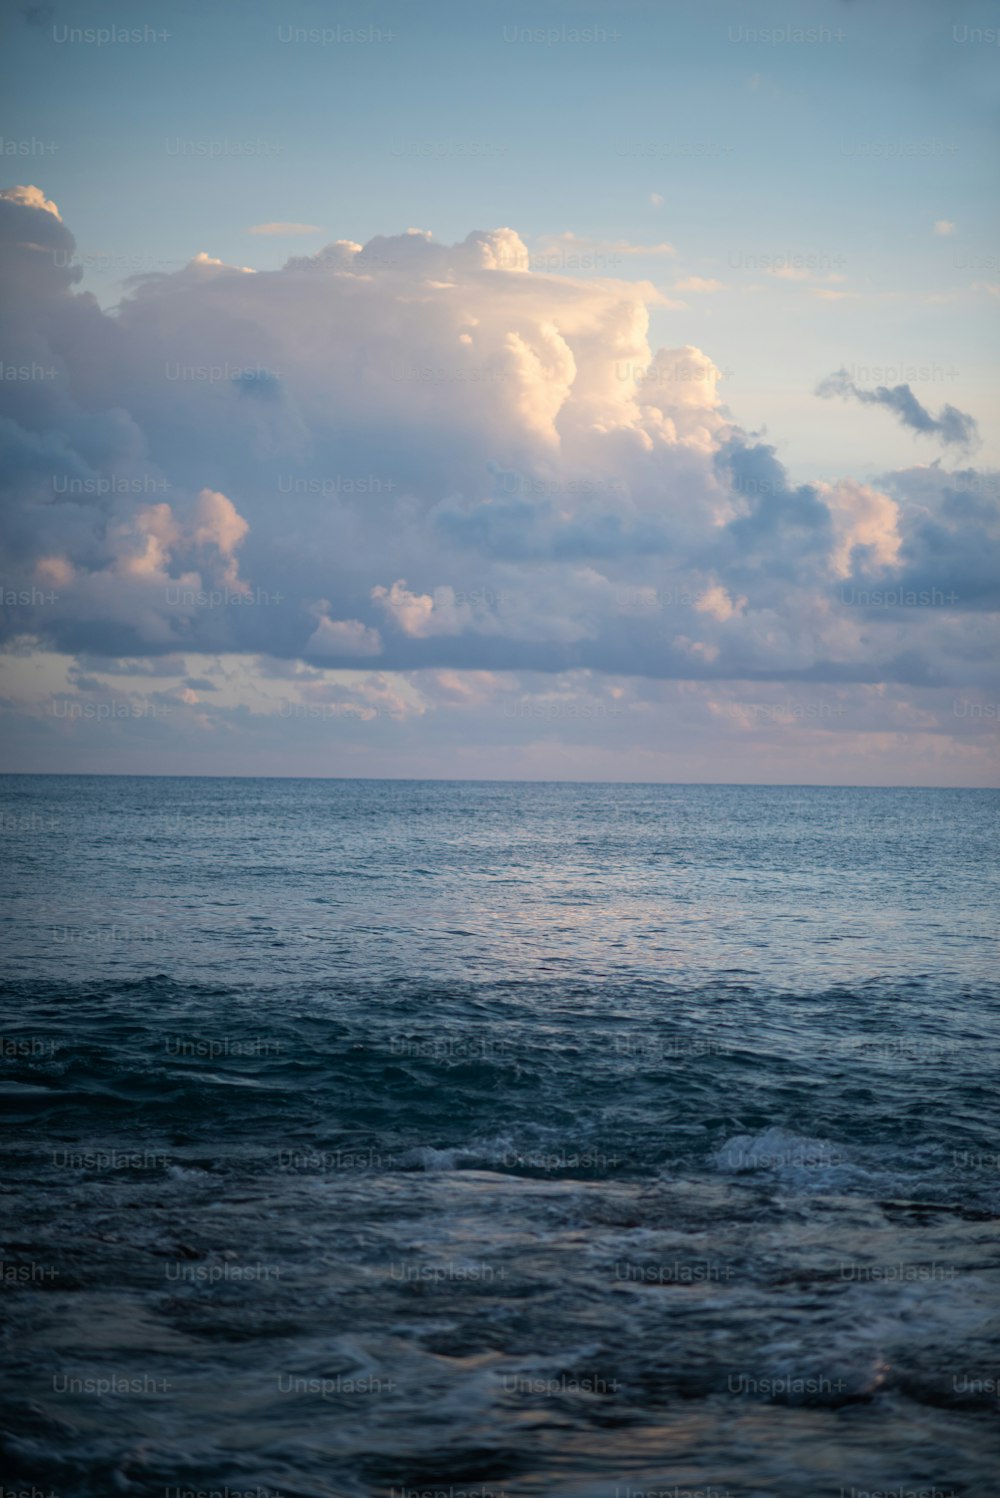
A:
412	456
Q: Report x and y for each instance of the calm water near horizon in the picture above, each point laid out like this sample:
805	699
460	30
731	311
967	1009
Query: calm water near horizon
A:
491	1138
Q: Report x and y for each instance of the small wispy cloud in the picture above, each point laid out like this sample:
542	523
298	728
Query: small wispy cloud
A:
943	227
797	273
282	228
950	426
699	283
581	242
623	247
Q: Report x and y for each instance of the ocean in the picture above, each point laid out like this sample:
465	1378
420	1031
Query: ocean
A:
368	1139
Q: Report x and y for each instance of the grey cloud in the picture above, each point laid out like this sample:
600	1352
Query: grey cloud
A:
782	524
38	15
157	665
951	534
545	488
951	426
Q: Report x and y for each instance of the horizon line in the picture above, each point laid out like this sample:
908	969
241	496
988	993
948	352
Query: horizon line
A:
750	785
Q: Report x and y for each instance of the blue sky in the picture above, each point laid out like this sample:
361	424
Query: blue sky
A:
798	189
848	148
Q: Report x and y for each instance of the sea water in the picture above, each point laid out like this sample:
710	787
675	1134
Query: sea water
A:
405	1137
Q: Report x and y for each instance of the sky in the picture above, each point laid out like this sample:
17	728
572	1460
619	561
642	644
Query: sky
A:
560	391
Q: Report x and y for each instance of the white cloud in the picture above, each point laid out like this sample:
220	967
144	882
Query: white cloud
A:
31	197
580	243
624	247
341	637
699	283
716	602
862	517
421	615
478	467
800	273
203	261
285	229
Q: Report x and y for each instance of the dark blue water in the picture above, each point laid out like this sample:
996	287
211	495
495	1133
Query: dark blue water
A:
379	1137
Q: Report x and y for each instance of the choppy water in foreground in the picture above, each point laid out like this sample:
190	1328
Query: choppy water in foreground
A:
482	1139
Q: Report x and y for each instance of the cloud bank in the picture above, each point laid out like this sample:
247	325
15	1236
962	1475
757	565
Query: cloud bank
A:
408	457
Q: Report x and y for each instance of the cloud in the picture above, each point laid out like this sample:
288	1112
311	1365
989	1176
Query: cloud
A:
580	243
798	273
440	459
31	197
717	602
217	523
286	229
865	526
952	427
699	283
341	637
203	261
38	14
624	247
949	535
420	615
656	200
944	227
